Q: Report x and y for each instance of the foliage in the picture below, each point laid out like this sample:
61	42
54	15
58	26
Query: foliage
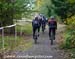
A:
10	9
44	7
64	8
11	44
69	35
69	40
25	28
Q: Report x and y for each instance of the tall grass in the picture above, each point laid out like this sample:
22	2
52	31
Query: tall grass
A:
25	28
10	43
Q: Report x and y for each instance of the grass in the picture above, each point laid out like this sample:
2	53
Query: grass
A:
24	45
21	43
25	28
69	50
70	53
10	43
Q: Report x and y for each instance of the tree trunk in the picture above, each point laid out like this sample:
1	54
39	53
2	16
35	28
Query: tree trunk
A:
9	20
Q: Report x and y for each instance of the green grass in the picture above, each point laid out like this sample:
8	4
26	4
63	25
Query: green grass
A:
25	28
70	53
10	43
66	45
21	42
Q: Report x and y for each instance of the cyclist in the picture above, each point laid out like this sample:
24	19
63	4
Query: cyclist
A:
43	23
40	20
52	26
35	25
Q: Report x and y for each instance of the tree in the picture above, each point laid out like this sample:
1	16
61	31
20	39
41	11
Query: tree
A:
45	7
13	9
64	8
10	9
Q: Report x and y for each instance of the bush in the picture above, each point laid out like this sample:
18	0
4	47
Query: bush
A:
69	36
69	41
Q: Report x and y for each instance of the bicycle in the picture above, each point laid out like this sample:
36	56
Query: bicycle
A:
36	37
43	28
52	38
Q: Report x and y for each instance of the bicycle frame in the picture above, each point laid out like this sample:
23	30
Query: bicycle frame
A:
52	38
43	28
36	36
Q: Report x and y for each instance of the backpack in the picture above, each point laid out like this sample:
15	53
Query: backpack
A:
43	20
35	23
52	24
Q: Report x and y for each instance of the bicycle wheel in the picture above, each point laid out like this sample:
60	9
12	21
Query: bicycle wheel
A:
35	39
43	28
52	38
51	41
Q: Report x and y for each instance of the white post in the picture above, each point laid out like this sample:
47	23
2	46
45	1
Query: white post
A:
15	34
21	31
3	38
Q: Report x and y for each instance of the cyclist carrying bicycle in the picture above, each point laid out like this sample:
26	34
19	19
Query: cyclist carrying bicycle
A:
52	23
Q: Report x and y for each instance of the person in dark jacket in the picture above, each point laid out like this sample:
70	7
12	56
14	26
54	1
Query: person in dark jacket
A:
43	23
52	26
35	25
40	21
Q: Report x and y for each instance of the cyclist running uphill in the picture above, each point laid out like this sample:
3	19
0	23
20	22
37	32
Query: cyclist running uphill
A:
35	25
52	26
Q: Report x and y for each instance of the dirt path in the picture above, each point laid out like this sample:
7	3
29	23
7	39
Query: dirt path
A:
43	48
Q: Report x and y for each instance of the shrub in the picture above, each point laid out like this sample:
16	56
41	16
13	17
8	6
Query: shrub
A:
69	36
